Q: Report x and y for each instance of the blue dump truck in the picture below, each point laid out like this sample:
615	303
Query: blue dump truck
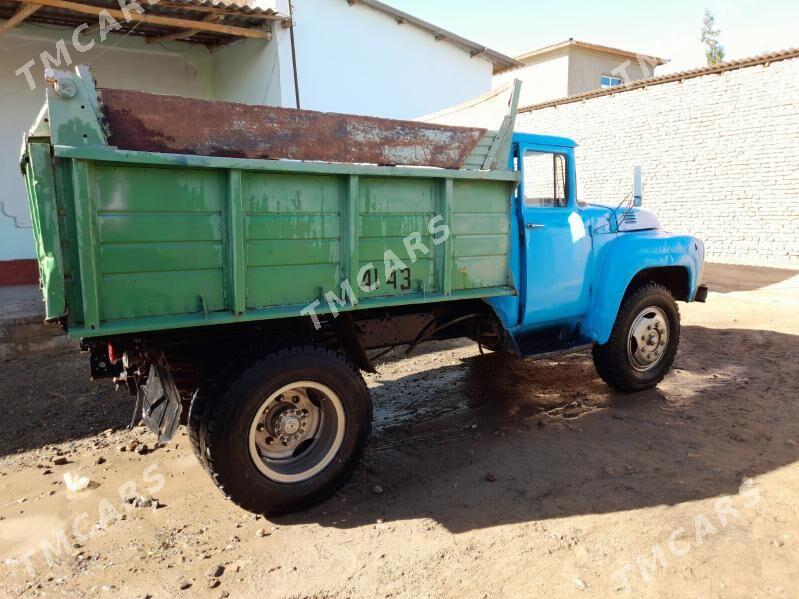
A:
232	266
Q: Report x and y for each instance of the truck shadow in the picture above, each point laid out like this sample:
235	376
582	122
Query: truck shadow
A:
553	437
50	398
494	440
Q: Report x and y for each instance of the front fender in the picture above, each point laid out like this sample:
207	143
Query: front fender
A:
627	255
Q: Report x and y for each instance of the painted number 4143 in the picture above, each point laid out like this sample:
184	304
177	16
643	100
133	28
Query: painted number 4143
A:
398	279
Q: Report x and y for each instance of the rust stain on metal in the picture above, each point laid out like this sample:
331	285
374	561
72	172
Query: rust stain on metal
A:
172	124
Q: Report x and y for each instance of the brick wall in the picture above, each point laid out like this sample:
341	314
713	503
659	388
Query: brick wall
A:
720	154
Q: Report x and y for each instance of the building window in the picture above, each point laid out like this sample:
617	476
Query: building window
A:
608	81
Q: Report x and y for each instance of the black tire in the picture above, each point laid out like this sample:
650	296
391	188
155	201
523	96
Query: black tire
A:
227	427
194	423
615	362
204	398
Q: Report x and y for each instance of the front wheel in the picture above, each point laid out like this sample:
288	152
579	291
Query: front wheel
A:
643	342
288	431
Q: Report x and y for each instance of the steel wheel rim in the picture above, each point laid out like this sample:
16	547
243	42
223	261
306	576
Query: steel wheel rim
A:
297	431
648	339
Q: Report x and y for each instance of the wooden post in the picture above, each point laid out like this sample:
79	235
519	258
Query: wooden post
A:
22	13
186	33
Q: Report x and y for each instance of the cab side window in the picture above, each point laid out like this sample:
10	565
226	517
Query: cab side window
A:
545	183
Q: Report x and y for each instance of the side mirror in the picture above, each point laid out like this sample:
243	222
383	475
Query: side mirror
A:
638	187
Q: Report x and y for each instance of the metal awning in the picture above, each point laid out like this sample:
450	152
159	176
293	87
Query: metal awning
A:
208	22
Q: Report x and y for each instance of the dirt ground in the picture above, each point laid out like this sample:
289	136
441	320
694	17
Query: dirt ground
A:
485	477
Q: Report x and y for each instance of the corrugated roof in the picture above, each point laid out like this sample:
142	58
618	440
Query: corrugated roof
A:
244	13
571	42
245	6
762	59
240	15
500	61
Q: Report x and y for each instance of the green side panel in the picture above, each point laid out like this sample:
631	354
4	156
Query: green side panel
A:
390	210
481	197
44	216
446	190
291	227
156	293
477	272
396	196
374	248
292	234
479	245
292	194
480	235
465	224
415	274
137	190
34	211
287	285
148	245
67	228
350	235
408	279
160	257
236	275
87	240
161	242
164	228
284	252
392	225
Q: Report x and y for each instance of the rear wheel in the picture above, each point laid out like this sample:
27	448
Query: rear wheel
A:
288	431
194	424
643	342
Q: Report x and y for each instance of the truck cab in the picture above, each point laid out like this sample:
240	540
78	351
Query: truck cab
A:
576	263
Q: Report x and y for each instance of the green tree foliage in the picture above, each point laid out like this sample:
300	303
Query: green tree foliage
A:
714	51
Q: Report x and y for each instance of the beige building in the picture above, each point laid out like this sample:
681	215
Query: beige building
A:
574	67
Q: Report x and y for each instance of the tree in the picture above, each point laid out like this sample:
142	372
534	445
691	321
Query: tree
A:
714	51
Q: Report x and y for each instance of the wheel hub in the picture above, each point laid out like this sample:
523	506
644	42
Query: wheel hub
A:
285	423
297	431
290	425
648	338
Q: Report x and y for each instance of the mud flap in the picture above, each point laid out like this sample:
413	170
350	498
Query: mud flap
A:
161	406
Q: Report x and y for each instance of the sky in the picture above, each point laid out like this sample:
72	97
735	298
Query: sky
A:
668	29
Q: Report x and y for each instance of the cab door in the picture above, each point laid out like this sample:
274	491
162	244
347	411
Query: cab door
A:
556	239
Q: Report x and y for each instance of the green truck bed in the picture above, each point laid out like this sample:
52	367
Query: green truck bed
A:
140	229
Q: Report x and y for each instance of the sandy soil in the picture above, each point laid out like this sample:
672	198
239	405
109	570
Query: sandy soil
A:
485	477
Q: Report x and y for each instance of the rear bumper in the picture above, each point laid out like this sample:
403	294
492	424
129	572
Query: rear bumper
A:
701	294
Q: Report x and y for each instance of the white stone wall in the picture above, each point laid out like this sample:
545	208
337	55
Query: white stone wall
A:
720	155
